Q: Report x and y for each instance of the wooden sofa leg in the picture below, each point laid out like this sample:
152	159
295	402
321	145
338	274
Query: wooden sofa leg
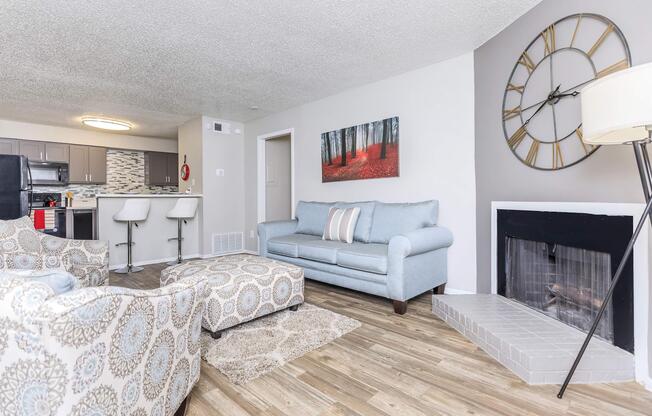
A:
216	334
183	407
294	308
400	307
439	290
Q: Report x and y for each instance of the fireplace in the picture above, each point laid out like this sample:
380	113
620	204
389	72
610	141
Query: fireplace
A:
561	263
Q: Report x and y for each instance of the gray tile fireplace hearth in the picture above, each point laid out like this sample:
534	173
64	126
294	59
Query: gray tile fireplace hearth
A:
536	347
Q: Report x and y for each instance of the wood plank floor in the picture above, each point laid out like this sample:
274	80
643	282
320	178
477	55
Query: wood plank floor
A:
410	365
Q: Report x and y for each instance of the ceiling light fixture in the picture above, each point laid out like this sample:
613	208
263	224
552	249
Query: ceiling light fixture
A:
106	123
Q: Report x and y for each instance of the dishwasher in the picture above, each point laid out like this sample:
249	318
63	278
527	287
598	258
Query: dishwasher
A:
83	224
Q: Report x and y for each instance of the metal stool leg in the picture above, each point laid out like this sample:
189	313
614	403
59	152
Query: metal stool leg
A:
129	268
178	238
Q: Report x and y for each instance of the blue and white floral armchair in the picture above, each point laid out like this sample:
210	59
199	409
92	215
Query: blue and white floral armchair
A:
100	351
24	248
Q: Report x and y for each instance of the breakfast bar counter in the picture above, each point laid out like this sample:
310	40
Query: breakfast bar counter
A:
151	237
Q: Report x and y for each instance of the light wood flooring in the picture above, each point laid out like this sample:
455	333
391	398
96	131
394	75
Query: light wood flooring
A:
410	365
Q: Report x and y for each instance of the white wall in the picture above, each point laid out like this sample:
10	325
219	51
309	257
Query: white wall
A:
435	106
223	195
42	132
190	145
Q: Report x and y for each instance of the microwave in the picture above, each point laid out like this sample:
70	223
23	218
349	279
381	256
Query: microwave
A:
49	173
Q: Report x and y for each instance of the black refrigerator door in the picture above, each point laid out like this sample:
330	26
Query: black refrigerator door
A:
14	173
14	205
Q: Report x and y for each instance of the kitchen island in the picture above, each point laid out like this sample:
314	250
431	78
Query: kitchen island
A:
151	236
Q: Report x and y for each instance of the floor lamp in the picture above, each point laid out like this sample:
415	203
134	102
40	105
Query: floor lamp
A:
617	109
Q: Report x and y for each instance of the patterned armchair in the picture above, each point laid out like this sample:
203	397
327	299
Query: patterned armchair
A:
100	351
24	248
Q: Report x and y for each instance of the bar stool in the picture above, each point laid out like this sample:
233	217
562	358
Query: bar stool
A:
184	209
132	211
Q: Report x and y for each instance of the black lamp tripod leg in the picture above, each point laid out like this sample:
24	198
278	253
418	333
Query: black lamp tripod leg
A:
646	178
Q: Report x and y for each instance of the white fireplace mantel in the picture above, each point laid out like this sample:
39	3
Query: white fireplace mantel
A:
641	271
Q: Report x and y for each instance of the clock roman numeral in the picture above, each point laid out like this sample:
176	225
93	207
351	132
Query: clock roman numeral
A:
526	62
549	40
588	148
620	65
557	157
577	26
518	88
511	113
601	39
517	138
531	158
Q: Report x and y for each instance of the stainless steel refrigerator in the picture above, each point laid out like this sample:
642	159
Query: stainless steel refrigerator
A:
15	187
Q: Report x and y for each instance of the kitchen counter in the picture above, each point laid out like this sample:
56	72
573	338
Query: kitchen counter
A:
151	237
149	196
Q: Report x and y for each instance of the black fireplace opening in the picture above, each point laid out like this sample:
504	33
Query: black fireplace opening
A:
561	264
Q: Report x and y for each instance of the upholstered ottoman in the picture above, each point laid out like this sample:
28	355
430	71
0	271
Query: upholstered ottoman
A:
242	287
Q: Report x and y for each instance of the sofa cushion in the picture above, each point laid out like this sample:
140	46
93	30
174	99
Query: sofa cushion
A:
312	217
288	245
59	281
363	227
394	219
367	257
324	251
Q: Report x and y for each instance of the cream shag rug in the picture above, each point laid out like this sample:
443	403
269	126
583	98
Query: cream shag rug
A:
252	349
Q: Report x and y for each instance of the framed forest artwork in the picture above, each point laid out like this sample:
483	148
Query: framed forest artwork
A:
364	151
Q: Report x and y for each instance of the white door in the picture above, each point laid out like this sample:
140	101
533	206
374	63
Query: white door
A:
278	180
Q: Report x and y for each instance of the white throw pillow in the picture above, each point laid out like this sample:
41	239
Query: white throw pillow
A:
341	224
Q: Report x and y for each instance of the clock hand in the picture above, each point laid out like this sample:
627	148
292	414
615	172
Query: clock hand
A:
551	96
563	93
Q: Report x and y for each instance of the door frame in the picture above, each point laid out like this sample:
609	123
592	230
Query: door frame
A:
262	196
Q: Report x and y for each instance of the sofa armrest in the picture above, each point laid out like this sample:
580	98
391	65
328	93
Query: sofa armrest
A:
271	229
420	241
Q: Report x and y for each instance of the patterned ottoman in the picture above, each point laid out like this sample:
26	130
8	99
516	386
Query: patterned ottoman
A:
242	287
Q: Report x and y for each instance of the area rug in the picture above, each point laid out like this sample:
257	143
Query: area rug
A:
255	348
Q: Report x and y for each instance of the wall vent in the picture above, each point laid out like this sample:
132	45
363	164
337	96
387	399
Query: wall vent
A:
227	243
220	127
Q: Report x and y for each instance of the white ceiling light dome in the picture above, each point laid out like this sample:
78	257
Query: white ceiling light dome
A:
106	123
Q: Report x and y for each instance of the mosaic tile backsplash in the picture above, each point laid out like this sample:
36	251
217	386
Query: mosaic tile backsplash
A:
125	174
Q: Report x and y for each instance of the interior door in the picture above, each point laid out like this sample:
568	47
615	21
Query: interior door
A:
97	164
78	167
34	151
57	152
173	169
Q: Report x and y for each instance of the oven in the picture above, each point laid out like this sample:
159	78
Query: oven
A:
48	214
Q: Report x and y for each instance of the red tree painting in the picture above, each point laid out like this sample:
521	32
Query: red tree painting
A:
364	151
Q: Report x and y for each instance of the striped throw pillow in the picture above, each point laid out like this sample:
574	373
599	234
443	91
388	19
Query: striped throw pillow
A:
341	224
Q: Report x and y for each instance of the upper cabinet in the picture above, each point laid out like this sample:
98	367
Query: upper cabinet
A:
87	164
9	147
44	151
161	169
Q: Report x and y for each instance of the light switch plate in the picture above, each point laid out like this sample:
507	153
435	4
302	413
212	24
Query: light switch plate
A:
219	172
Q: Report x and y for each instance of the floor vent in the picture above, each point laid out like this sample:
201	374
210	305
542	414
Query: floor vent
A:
227	243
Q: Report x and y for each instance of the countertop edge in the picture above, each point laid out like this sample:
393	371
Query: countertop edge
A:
149	196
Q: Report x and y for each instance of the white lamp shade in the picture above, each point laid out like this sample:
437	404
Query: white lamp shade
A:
617	108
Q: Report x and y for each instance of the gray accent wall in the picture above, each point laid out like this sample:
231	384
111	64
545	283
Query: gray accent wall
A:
609	175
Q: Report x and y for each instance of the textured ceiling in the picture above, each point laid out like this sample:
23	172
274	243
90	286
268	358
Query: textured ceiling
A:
160	63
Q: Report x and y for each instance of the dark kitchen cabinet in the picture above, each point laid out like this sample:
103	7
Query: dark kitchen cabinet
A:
87	164
9	147
44	151
161	168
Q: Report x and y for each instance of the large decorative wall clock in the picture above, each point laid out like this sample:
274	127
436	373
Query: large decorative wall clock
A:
541	105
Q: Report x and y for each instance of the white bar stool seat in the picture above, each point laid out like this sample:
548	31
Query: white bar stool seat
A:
134	210
184	209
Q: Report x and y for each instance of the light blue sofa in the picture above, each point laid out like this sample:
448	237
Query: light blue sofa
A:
398	251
